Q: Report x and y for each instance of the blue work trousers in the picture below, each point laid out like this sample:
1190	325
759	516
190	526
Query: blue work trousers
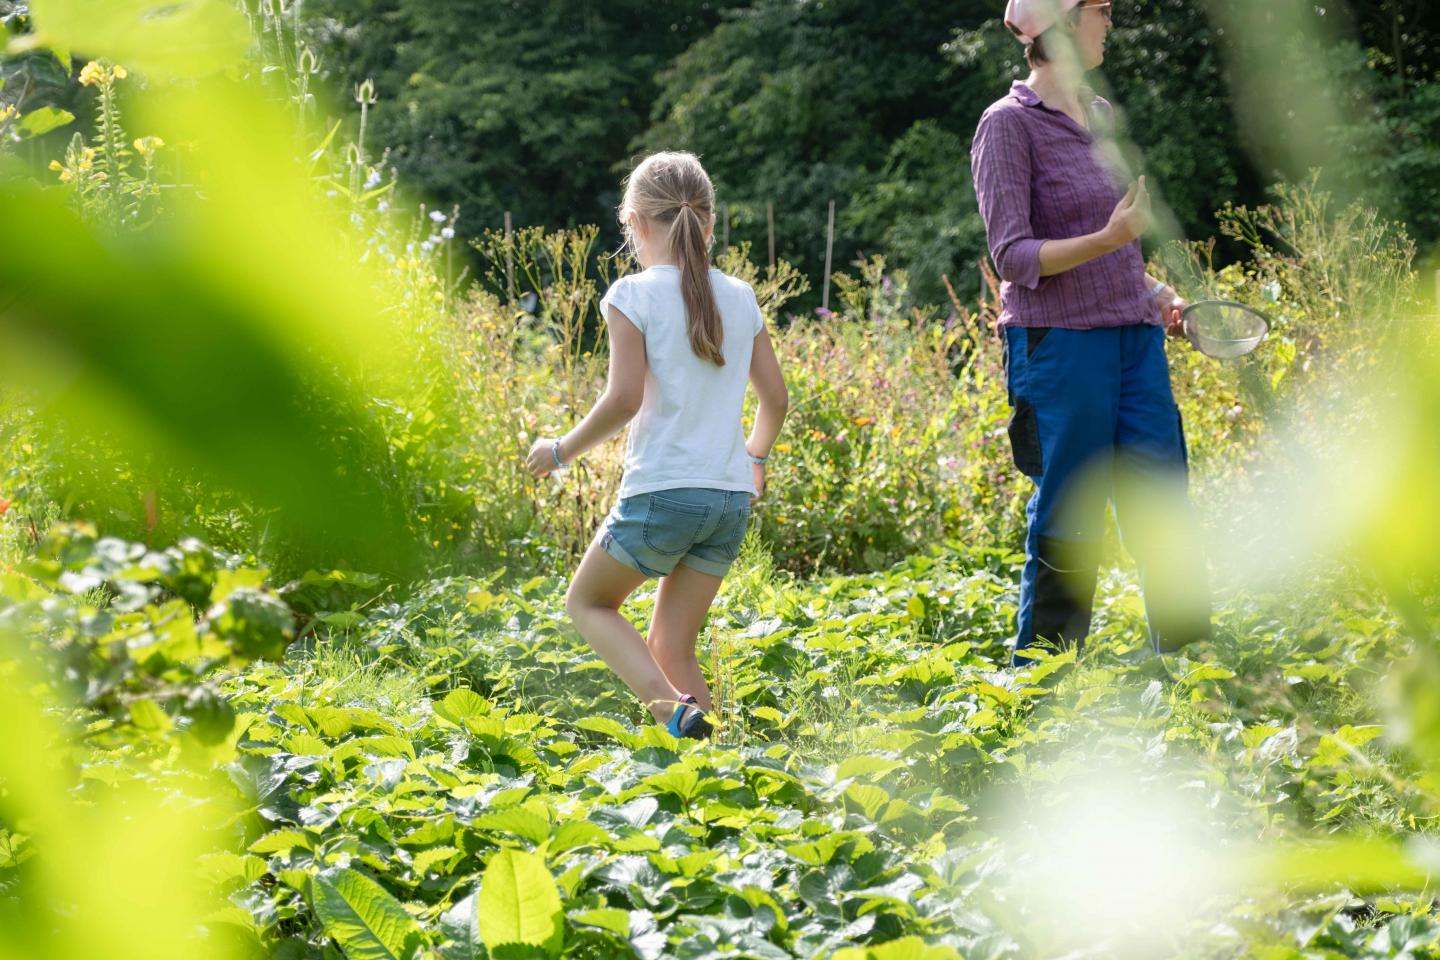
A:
1093	420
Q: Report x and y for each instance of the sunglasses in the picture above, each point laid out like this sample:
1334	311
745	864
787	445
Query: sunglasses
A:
1097	6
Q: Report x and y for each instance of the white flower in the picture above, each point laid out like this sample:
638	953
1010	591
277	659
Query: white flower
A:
331	193
372	181
448	233
383	205
437	216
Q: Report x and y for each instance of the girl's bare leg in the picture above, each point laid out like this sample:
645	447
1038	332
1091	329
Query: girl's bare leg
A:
593	601
680	611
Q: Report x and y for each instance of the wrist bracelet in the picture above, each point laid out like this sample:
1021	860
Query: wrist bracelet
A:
1158	289
555	452
758	461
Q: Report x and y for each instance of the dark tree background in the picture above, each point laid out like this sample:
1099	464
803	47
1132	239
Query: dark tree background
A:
537	108
526	106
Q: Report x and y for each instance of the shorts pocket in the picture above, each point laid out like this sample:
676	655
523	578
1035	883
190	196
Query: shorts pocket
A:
1025	439
672	527
732	532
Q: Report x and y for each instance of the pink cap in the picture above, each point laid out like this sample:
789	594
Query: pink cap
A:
1027	19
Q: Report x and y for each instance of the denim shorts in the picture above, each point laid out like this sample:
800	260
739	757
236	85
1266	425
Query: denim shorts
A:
701	528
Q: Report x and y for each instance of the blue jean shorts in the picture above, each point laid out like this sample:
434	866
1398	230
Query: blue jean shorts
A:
701	528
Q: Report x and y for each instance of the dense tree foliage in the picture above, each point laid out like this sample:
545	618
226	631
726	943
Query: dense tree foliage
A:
500	105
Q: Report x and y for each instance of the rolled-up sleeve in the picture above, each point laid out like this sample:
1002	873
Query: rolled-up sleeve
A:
1000	164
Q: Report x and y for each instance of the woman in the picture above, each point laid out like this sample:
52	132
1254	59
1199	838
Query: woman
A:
1084	326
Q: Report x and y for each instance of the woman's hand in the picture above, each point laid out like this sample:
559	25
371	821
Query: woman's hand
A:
757	473
541	460
1131	216
1172	311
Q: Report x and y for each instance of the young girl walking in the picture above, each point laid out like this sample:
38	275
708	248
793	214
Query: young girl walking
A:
685	339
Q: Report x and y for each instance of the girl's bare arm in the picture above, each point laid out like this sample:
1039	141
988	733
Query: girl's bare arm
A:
617	406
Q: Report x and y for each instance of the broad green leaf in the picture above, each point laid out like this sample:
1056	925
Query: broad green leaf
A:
867	766
615	921
518	821
1255	735
338	721
578	833
366	922
770	714
609	727
431	831
307	745
1338	747
519	904
868	797
1208	671
678	780
39	122
282	841
823	849
429	859
460	704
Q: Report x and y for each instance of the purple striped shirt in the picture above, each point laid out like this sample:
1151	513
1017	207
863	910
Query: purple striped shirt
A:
1040	176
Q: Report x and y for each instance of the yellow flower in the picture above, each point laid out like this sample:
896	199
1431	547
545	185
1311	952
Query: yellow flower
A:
782	448
146	146
8	112
92	74
119	73
55	165
66	176
863	421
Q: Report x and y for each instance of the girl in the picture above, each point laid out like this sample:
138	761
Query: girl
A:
1084	329
684	341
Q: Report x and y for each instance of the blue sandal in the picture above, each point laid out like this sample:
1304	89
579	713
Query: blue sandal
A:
688	721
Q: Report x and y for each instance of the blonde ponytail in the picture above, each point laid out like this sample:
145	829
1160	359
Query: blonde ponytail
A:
672	190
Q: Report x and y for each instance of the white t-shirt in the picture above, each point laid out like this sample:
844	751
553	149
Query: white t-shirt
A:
688	432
